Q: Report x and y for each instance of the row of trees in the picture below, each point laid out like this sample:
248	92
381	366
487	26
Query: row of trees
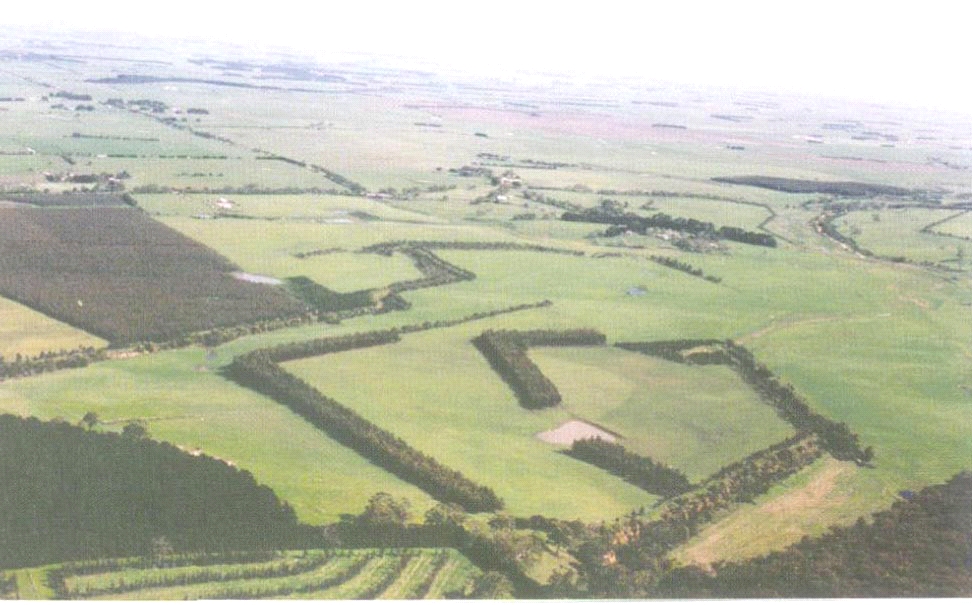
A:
248	189
841	188
317	252
49	361
387	248
641	471
259	371
835	437
355	188
918	548
626	558
609	212
673	350
674	263
436	271
505	350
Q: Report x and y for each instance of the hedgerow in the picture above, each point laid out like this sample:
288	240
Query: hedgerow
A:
505	350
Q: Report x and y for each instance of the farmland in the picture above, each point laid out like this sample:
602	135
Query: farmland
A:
408	389
307	574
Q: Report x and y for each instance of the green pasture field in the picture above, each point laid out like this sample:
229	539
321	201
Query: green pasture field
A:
238	169
267	247
898	233
319	208
799	505
695	419
881	346
25	331
438	393
51	132
718	213
960	226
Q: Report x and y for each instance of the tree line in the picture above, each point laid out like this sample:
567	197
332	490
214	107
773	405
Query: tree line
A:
674	263
324	300
609	213
835	437
626	558
505	350
259	371
491	547
841	188
387	248
640	471
49	361
356	188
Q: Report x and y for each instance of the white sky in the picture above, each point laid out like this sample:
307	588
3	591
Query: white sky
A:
914	53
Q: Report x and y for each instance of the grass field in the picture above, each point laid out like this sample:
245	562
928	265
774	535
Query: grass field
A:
959	226
898	233
695	419
437	392
184	402
25	331
884	347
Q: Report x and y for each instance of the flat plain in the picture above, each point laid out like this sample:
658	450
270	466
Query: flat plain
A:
862	304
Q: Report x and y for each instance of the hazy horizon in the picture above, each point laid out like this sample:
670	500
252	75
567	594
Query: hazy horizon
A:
874	54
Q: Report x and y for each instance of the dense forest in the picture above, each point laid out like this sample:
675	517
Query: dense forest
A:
841	188
921	547
70	493
117	273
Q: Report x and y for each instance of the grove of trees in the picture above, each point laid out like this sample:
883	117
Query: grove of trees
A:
69	493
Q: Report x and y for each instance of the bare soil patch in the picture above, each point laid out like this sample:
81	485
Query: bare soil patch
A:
574	430
256	279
